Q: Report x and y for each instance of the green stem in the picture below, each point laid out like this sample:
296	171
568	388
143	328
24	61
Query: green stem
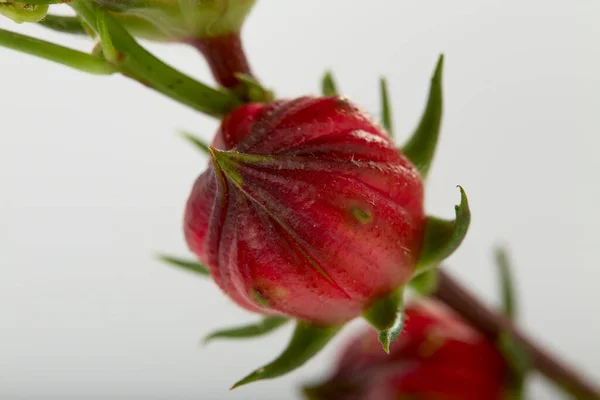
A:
54	52
140	64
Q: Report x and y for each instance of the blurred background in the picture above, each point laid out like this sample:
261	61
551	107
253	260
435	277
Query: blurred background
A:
93	180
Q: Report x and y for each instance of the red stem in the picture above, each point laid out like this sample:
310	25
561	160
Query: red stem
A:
225	56
493	324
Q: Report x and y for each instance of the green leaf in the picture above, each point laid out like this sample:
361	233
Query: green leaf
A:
443	237
59	54
187	265
21	12
506	283
425	282
328	86
307	341
63	24
149	70
387	316
266	325
386	116
420	148
199	144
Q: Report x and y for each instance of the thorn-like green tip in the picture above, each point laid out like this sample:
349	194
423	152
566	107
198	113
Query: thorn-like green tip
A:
506	283
387	316
443	237
199	144
386	113
420	148
328	85
306	342
188	265
265	326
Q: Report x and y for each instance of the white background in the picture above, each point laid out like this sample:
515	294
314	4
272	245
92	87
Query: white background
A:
93	181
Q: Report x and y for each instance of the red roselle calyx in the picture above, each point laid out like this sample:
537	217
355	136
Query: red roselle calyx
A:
437	356
307	210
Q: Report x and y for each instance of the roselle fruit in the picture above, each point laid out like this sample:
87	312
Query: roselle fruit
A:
437	357
306	210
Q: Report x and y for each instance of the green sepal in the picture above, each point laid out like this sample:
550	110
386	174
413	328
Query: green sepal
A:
307	340
21	12
506	284
265	326
443	237
328	85
250	90
386	113
420	148
188	265
196	142
426	282
64	24
387	316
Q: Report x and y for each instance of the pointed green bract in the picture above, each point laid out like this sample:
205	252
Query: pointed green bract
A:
387	316
506	283
386	114
420	148
56	53
188	265
149	70
199	144
266	325
442	237
306	342
328	86
62	23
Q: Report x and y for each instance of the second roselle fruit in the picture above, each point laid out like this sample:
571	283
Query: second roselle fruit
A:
307	210
437	357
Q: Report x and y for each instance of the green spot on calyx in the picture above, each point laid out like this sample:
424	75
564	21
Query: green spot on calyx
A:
362	216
